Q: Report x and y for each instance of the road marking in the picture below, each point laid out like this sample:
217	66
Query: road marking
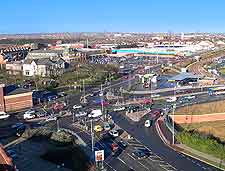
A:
121	160
131	156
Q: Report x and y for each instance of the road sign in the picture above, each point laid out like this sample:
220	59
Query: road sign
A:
99	155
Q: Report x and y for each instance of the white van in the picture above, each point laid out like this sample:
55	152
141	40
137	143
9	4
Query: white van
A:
3	115
95	113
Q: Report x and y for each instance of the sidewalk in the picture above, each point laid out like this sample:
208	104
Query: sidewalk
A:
166	136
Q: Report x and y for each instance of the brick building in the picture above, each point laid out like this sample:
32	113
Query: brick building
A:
13	98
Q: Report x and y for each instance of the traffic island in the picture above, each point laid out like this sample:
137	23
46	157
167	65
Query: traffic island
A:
136	116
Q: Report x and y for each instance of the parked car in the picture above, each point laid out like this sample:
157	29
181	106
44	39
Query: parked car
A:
98	128
17	125
107	126
139	154
122	144
81	113
119	109
20	130
189	97
12	154
95	113
41	114
114	147
114	133
77	107
3	115
27	116
51	118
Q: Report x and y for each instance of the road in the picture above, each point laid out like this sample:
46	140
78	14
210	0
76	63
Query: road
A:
150	139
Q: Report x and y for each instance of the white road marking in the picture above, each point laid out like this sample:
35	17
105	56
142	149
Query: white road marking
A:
121	160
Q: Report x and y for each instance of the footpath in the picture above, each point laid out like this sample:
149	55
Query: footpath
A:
165	132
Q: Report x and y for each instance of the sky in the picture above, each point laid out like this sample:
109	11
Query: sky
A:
36	16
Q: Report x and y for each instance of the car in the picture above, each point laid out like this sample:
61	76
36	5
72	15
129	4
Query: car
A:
119	109
12	154
62	94
81	113
27	116
139	154
41	114
31	111
171	99
107	126
101	94
51	118
95	113
3	115
114	147
98	128
148	123
122	144
114	133
52	98
155	95
20	130
189	97
17	125
77	107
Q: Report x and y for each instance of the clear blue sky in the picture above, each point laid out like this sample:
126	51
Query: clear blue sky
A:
30	16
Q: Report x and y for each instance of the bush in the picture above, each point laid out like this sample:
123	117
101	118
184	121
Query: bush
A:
37	132
204	143
62	137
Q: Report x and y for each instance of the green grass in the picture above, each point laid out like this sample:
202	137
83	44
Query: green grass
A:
222	71
203	143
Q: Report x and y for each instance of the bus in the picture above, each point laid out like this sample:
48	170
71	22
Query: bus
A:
216	91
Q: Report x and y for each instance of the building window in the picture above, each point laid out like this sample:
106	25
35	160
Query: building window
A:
27	73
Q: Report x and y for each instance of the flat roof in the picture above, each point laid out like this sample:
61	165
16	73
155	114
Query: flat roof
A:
14	89
184	75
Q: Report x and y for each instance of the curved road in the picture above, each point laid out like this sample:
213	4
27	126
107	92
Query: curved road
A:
150	139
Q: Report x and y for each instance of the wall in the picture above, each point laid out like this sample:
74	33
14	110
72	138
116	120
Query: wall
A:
183	119
18	101
2	102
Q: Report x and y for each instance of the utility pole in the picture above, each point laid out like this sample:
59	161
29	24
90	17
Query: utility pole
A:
92	136
57	123
174	107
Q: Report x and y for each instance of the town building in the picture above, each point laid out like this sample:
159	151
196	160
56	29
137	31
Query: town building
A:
14	68
44	67
14	98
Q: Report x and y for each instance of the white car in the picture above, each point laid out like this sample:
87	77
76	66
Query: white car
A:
171	99
147	123
29	116
119	109
77	106
155	95
114	133
95	113
81	113
3	115
51	118
190	97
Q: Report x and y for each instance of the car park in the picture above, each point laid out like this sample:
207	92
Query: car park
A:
98	128
114	133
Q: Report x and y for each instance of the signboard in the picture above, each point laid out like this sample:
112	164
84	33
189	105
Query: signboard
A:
99	155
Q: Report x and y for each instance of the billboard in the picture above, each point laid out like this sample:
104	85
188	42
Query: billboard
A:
99	155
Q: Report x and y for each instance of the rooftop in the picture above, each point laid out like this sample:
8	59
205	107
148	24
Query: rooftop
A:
14	89
184	75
